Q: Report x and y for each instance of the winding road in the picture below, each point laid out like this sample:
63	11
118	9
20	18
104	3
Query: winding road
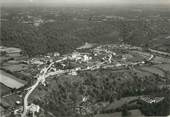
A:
40	78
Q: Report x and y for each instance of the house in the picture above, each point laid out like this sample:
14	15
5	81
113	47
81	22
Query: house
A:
36	61
75	55
34	108
74	73
86	58
56	54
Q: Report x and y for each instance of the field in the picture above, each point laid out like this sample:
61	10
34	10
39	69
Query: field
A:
120	103
10	101
153	71
165	67
4	89
15	67
11	81
161	60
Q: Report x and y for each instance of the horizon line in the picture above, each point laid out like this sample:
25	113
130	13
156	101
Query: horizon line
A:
73	4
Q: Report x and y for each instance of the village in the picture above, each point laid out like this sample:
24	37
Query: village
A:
86	58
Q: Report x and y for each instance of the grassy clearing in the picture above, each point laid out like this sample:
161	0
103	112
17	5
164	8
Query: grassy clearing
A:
118	103
10	80
158	59
153	70
3	89
165	67
15	68
11	100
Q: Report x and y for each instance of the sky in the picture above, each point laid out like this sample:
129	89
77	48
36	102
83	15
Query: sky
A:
89	1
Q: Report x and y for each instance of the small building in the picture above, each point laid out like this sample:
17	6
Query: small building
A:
18	102
75	55
36	61
34	108
74	73
86	58
56	54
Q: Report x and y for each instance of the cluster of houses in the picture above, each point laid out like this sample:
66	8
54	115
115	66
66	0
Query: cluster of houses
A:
81	57
36	21
32	110
95	58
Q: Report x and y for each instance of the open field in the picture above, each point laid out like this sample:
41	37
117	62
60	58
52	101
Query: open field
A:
10	101
4	89
11	81
119	103
158	59
15	67
153	70
165	67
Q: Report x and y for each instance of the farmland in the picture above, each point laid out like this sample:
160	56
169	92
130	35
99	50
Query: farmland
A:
4	89
11	81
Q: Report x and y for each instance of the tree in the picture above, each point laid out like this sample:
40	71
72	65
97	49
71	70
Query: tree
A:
3	53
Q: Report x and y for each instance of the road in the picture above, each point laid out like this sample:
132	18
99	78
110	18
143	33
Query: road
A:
41	78
31	89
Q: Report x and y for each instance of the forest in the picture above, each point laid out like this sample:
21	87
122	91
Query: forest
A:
65	34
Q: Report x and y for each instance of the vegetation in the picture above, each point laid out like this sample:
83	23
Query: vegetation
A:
63	30
64	33
64	96
159	109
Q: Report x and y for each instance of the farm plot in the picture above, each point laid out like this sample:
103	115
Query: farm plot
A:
165	67
15	68
118	103
153	70
158	59
4	89
10	80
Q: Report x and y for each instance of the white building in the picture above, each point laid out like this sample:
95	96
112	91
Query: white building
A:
34	108
86	58
74	73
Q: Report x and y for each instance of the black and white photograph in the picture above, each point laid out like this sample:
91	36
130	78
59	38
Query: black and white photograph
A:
84	58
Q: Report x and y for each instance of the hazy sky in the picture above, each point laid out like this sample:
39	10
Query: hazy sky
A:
88	1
